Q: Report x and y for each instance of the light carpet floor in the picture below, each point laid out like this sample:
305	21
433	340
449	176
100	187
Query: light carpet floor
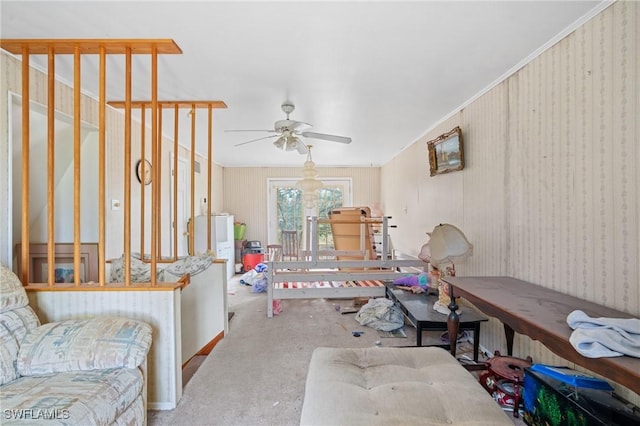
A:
256	374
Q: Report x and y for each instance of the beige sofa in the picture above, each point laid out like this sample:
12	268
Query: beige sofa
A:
394	386
74	372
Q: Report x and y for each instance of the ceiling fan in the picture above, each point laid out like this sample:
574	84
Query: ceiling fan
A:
288	133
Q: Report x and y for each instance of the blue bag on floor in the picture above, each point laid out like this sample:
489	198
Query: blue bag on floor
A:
260	284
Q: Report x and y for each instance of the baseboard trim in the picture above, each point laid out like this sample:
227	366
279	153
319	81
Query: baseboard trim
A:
206	349
161	406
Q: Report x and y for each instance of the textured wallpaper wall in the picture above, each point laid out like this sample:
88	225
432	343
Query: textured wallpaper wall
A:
550	192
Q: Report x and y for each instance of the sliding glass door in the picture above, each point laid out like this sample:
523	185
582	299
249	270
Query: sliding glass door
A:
287	211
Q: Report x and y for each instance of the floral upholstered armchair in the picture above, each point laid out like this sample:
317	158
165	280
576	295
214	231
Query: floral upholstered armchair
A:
78	372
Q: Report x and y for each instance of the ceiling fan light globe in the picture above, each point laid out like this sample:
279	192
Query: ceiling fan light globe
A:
279	143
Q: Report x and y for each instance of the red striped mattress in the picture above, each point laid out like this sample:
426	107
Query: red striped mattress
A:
330	284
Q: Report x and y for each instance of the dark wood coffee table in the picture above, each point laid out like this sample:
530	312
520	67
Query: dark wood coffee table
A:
418	308
541	313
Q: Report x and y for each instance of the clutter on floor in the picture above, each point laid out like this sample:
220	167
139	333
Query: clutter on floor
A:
559	395
381	314
503	379
256	278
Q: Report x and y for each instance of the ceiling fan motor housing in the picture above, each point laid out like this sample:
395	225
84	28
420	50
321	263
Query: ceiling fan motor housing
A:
284	125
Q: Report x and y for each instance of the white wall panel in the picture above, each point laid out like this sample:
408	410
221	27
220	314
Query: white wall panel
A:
160	309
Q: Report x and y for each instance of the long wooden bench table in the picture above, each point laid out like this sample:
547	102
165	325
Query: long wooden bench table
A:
540	313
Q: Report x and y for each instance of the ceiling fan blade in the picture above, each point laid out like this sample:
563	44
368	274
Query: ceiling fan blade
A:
255	140
300	125
332	138
301	148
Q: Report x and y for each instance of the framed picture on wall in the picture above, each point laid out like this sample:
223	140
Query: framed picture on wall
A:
63	272
64	268
446	153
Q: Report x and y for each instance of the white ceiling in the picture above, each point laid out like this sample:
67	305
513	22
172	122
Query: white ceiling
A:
382	73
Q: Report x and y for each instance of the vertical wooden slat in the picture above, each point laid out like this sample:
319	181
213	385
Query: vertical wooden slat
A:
158	167
76	164
127	169
209	156
25	165
154	170
176	119
102	157
193	181
51	250
143	156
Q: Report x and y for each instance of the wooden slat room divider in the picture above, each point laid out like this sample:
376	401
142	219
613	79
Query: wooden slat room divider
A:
80	48
176	105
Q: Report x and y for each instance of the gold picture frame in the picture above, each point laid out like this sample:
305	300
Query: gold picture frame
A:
446	153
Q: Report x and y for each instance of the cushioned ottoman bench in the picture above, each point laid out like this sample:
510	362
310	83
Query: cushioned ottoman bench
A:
394	386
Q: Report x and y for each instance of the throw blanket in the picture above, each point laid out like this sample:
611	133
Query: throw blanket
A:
380	314
604	337
141	271
191	264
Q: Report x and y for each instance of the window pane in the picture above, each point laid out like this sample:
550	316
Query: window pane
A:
330	198
289	208
287	212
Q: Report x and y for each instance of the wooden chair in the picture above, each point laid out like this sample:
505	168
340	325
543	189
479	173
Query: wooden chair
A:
290	248
274	252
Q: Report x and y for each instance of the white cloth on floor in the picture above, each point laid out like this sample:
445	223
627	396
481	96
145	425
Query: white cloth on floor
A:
381	314
604	337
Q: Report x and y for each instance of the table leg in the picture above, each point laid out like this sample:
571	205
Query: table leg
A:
418	334
509	334
453	323
476	341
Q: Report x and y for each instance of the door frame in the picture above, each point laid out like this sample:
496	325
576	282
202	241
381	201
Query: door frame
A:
273	183
183	164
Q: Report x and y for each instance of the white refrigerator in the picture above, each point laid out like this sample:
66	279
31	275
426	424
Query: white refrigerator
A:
221	238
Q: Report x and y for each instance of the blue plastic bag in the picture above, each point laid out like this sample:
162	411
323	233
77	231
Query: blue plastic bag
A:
260	284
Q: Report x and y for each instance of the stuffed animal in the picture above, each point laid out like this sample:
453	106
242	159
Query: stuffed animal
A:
420	280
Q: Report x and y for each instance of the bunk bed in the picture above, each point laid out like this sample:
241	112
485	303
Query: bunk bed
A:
346	273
